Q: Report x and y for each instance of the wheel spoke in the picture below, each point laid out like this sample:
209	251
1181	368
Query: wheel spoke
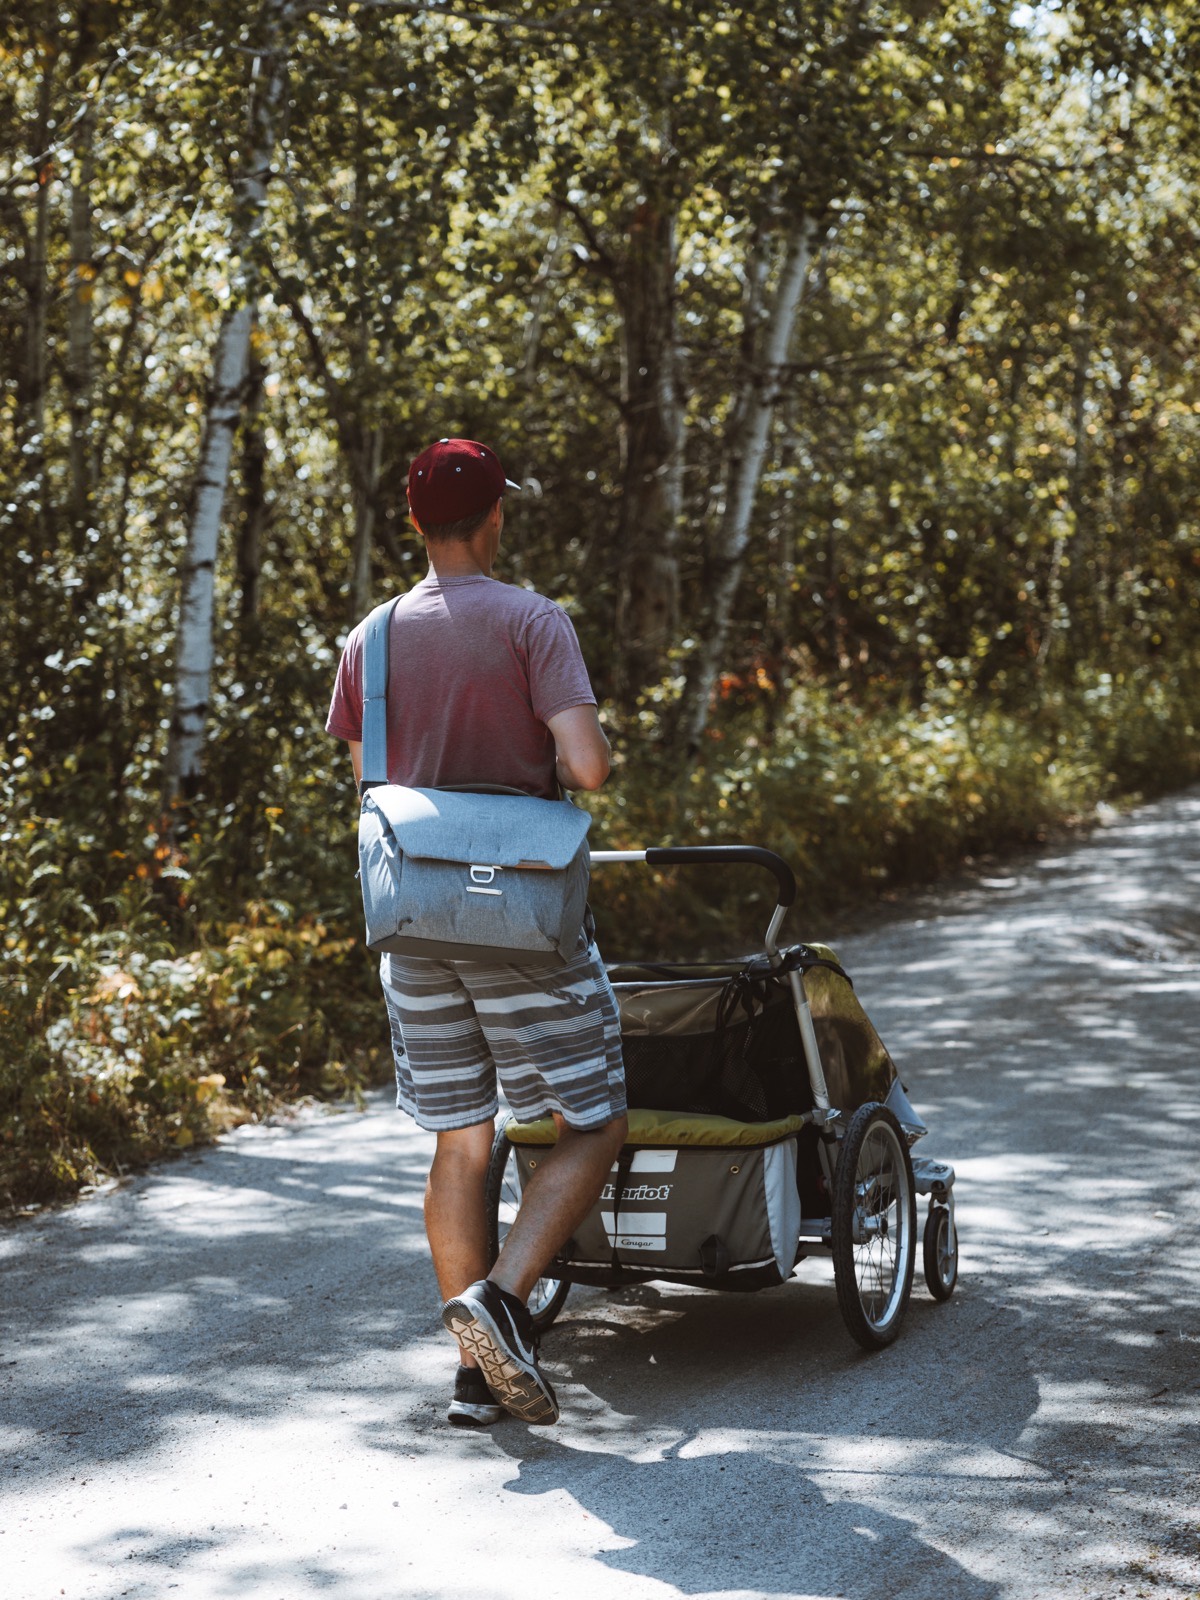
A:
876	1272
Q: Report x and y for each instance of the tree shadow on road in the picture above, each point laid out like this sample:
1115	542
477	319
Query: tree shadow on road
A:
752	1524
726	1439
279	1287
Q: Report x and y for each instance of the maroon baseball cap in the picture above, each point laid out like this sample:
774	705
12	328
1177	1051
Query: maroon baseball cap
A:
453	479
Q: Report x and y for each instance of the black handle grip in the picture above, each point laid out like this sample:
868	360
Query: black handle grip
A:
702	855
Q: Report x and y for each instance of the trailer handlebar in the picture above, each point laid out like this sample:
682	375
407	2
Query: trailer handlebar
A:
702	855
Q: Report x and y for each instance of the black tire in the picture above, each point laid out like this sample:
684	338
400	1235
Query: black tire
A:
940	1253
874	1226
503	1199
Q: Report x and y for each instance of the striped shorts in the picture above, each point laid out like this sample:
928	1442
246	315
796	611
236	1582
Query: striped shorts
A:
551	1036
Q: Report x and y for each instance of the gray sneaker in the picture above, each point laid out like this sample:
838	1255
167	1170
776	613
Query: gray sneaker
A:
495	1327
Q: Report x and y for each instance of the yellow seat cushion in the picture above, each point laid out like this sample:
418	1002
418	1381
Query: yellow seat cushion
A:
672	1128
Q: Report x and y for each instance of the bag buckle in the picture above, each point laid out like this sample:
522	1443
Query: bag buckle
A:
481	876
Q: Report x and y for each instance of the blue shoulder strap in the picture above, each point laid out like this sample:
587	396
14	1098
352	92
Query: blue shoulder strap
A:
375	681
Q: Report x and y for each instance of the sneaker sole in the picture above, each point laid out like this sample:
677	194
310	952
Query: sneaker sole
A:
518	1387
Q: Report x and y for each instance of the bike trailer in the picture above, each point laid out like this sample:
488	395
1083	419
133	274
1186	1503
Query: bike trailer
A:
767	1122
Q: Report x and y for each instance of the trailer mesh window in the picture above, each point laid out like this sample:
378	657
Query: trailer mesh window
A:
750	1067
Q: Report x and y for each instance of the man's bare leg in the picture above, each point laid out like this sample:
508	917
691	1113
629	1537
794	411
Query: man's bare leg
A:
487	1317
455	1214
555	1201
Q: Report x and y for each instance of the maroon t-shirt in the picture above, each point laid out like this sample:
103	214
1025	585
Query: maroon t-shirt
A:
476	669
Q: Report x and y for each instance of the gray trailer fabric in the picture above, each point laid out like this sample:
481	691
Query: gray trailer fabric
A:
679	1007
692	1214
726	1046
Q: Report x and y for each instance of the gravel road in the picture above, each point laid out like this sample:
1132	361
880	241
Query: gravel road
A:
227	1378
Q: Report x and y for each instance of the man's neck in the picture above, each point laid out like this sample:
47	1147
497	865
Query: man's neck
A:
455	566
471	558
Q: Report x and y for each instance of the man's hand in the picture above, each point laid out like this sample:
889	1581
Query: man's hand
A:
583	754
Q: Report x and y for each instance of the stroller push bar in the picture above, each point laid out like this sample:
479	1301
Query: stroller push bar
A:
716	855
705	855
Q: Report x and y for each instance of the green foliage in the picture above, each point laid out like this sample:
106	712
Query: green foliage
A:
116	1044
969	607
865	799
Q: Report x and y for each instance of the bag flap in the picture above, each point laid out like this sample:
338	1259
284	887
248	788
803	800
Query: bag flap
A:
496	830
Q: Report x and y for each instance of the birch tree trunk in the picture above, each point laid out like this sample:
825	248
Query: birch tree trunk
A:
79	368
254	499
1069	524
750	432
364	524
647	610
194	633
31	389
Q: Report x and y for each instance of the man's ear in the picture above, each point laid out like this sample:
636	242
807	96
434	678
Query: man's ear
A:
412	515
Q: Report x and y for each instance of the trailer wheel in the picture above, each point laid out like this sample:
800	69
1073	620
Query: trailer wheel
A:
874	1226
940	1253
503	1199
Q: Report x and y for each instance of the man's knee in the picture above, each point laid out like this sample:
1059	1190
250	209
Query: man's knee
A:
464	1147
617	1132
608	1138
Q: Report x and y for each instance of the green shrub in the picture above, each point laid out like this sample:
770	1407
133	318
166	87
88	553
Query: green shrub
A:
861	800
128	1026
120	1052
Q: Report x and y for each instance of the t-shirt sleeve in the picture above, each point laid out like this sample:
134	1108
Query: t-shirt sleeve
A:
345	711
558	678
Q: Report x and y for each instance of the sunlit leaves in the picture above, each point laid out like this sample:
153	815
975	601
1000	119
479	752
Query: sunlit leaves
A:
980	502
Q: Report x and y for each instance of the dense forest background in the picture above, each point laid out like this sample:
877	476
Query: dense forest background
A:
848	353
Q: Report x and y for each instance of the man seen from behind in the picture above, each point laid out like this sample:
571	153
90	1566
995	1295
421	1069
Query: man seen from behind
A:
487	684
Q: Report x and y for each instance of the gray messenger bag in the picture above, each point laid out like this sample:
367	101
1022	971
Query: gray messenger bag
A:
478	874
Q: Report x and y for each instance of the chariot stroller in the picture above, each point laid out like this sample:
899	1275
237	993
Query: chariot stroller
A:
766	1124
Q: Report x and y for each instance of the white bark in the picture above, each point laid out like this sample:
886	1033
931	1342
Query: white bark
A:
750	433
365	496
194	639
1069	524
79	369
652	453
36	366
194	636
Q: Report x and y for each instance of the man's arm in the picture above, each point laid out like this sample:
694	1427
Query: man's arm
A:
356	758
582	749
